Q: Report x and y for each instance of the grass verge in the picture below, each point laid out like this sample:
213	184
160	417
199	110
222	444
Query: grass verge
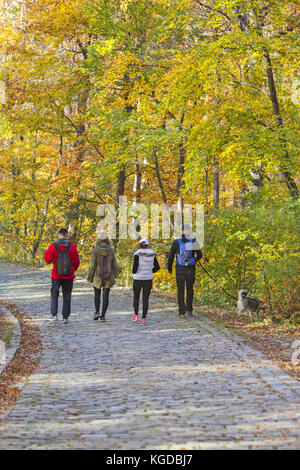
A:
6	328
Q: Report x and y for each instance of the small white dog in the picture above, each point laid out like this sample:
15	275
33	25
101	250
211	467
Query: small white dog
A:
248	304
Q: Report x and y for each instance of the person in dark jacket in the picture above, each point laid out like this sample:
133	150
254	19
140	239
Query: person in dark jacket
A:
188	253
144	265
66	282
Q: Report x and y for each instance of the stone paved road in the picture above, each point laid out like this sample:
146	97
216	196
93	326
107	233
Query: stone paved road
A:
171	384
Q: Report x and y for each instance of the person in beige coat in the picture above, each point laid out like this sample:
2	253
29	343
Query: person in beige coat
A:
103	271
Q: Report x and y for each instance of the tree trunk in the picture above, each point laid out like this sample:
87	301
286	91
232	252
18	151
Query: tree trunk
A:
242	196
180	182
180	176
81	127
138	182
121	177
120	190
216	184
216	165
74	216
158	176
40	233
289	180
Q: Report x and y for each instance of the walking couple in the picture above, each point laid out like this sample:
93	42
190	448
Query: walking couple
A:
103	271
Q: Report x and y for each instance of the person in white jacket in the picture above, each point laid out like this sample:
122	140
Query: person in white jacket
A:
144	265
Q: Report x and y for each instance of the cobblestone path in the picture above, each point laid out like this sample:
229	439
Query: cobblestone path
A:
171	384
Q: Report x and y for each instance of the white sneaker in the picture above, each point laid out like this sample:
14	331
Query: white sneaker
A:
65	320
54	318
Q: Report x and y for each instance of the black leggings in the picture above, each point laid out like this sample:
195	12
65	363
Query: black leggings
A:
185	279
137	287
105	297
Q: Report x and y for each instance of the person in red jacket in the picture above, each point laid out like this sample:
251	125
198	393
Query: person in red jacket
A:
62	275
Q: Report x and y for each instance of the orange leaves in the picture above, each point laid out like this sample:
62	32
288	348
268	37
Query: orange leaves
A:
24	361
56	18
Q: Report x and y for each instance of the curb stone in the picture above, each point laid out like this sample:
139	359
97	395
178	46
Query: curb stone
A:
15	341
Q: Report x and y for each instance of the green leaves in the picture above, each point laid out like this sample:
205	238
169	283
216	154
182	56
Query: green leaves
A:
255	249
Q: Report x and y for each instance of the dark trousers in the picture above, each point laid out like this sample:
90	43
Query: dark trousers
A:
137	287
67	286
185	278
105	299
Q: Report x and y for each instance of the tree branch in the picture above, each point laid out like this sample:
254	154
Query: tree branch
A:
256	87
209	8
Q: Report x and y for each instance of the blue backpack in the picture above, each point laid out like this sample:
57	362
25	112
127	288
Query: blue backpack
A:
185	256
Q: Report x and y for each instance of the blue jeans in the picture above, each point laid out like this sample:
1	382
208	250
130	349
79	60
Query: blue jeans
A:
67	286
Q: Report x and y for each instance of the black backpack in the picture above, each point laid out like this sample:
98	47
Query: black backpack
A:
63	263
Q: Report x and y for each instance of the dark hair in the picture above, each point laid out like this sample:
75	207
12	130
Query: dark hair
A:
143	245
63	231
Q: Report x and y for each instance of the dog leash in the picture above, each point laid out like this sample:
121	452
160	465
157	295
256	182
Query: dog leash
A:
225	292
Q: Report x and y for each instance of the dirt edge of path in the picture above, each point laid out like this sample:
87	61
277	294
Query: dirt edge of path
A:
25	360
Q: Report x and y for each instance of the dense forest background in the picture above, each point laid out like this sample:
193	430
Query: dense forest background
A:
161	101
